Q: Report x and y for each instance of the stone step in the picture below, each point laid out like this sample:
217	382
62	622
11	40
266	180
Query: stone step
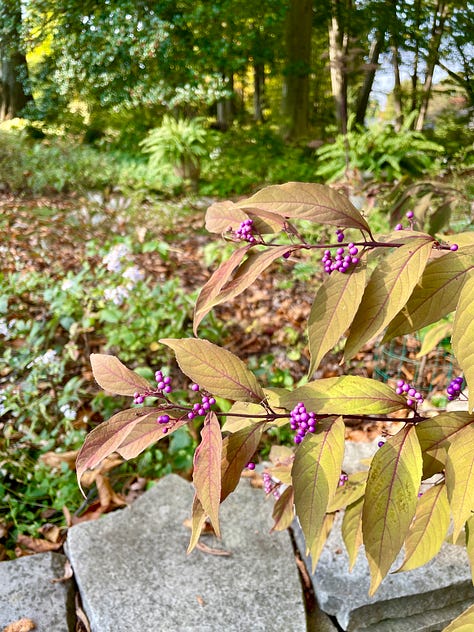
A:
28	592
133	573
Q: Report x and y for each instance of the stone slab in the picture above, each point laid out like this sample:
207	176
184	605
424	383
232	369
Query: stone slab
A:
133	573
26	591
443	582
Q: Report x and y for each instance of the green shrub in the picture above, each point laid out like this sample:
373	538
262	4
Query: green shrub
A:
378	153
177	145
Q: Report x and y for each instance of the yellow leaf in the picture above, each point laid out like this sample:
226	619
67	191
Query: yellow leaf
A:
315	473
352	530
388	291
463	623
463	335
460	478
333	309
429	528
390	501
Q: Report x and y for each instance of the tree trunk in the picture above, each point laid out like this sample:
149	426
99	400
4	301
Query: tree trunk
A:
13	98
225	109
442	11
397	88
338	43
258	92
298	68
14	92
416	61
364	94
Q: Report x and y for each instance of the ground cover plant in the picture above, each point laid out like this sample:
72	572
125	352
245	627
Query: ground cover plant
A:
67	290
422	476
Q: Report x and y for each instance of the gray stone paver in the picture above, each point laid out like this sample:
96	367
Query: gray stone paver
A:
26	591
133	572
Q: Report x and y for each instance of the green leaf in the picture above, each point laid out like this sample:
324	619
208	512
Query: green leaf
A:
345	395
108	436
435	435
217	370
470	544
333	309
428	530
237	451
315	473
198	518
434	337
463	623
387	292
284	510
208	297
113	376
463	335
207	469
350	492
351	530
460	478
302	200
390	501
147	432
436	293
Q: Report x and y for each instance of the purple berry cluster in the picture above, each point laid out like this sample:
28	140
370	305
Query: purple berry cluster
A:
245	231
270	486
202	407
343	480
455	387
302	421
342	260
163	383
413	396
409	215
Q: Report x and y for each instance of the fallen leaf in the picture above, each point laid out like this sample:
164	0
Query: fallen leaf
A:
55	459
68	573
211	551
37	545
22	625
52	533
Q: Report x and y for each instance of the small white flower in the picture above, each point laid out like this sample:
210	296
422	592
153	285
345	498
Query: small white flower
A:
49	358
113	258
66	285
4	330
116	294
68	412
134	274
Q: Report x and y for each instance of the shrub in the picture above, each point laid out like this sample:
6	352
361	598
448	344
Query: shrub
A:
379	153
179	145
395	283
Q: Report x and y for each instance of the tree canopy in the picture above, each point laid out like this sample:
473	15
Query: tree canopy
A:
303	64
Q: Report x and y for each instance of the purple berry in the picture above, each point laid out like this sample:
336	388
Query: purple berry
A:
454	247
195	387
250	466
399	227
381	443
410	215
